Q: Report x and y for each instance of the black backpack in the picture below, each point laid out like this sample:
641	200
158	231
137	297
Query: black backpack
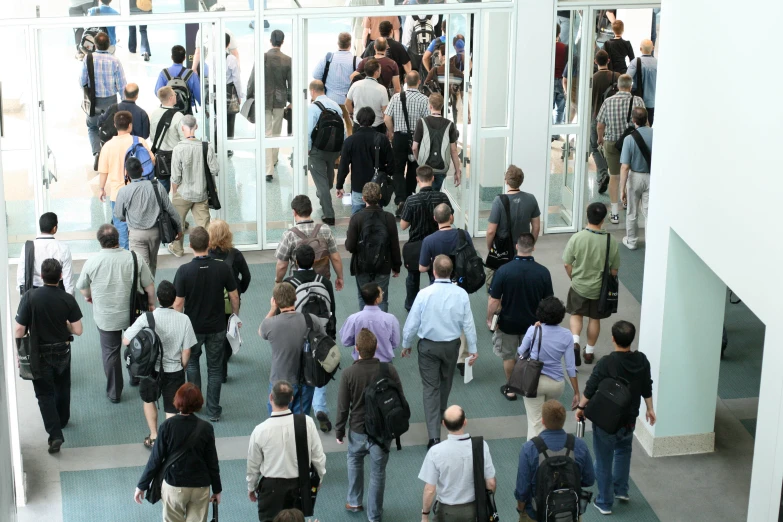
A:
380	177
611	404
180	85
468	266
436	136
373	244
107	130
558	483
612	89
320	357
422	37
329	131
141	359
87	43
386	412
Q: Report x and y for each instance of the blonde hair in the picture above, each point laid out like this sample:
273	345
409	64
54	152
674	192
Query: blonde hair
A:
164	93
220	236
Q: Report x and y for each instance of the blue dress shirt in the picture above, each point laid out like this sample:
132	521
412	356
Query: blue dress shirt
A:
441	312
649	77
105	10
193	83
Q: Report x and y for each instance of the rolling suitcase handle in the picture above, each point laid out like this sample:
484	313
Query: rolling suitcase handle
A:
214	511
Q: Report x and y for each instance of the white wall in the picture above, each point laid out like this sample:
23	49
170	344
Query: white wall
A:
717	183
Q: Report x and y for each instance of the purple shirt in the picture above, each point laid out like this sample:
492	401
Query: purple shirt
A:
556	341
385	326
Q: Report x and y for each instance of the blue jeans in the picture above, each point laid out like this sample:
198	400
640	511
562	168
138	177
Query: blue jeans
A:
438	183
559	102
381	280
145	44
166	184
412	285
213	347
122	228
101	105
319	400
303	398
357	205
358	448
612	464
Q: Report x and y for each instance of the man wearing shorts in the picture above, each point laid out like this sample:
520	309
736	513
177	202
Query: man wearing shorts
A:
177	338
584	258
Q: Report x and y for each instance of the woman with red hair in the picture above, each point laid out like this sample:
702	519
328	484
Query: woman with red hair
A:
185	487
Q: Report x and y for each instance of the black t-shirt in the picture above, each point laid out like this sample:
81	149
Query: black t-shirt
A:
520	285
419	209
201	282
52	307
601	81
436	123
396	51
618	50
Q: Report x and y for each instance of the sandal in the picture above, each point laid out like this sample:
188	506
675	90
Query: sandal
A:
504	391
149	442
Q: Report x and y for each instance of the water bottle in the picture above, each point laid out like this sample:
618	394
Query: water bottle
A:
580	428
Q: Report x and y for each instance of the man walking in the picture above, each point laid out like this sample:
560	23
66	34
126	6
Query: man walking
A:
45	246
372	240
584	258
178	70
440	314
613	451
517	289
277	91
272	455
443	241
166	125
435	129
334	72
201	285
649	76
139	205
613	118
320	163
390	73
354	381
635	175
447	473
106	282
405	109
358	158
109	83
369	93
602	85
57	319
417	214
141	121
286	330
189	179
383	325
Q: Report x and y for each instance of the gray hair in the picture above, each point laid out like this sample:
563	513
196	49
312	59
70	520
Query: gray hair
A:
624	82
189	121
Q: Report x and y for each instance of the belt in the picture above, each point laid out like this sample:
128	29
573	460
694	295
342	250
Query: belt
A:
64	343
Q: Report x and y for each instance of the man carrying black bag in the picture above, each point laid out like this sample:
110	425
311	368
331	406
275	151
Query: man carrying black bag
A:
611	401
285	460
52	317
166	126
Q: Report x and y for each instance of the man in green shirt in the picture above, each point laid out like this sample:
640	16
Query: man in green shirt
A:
584	258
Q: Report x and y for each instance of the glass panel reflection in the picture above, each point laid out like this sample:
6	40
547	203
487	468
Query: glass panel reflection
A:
560	205
239	200
491	175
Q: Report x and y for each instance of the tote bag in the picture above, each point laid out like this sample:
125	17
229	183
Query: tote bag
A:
527	370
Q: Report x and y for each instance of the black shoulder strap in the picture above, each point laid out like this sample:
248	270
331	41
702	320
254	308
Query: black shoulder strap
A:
540	445
507	206
189	443
29	264
205	152
637	137
150	320
608	244
167	74
134	285
377	147
329	57
630	108
91	78
569	445
639	76
308	321
477	444
162	128
187	75
303	461
403	99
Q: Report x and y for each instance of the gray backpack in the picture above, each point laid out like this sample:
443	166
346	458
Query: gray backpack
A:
180	85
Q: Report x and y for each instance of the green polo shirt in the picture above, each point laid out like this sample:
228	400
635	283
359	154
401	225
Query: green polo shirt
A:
586	253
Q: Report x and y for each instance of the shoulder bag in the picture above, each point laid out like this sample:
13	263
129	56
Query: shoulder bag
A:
610	286
212	195
639	91
232	99
138	300
88	105
27	347
403	101
502	250
308	477
486	510
527	371
628	129
643	148
29	266
380	177
154	491
166	224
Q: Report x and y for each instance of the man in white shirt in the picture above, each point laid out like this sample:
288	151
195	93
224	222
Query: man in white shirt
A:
45	246
271	456
369	93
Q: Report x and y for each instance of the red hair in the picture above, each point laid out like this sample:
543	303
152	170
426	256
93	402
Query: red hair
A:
188	399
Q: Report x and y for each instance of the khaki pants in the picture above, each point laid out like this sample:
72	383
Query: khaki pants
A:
548	389
146	244
612	156
274	126
199	210
184	504
348	122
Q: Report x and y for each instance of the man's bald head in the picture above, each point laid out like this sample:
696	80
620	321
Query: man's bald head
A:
454	418
647	46
442	214
442	266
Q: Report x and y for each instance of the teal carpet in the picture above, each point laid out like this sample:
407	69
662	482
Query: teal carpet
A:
110	497
97	422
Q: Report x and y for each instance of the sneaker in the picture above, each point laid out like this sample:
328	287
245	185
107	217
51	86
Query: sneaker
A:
577	355
432	442
323	420
614	219
588	357
601	510
603	184
354	509
461	368
398	212
627	244
214	418
146	56
625	205
624	498
54	446
328	221
168	247
269	178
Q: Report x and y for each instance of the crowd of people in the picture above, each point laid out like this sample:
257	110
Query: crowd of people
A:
356	126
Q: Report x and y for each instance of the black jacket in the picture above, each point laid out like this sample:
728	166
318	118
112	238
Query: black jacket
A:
359	153
393	257
632	366
239	268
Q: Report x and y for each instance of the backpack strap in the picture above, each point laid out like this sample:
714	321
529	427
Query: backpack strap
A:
150	320
187	75
308	322
167	74
328	64
295	282
162	128
637	137
506	201
298	233
29	264
541	446
477	446
569	444
303	461
316	230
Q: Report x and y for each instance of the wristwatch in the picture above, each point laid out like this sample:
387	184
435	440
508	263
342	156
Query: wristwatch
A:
580	407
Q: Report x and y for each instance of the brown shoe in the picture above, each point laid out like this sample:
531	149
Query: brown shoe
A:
588	357
353	509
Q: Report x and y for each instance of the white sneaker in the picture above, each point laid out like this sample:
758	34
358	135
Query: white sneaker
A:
624	498
602	511
168	247
614	219
630	247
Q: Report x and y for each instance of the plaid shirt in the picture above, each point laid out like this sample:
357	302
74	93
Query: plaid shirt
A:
109	75
418	107
289	242
614	113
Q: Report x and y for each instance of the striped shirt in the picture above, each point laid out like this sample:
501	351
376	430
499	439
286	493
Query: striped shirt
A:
109	75
419	209
187	170
339	80
614	114
137	204
175	332
418	107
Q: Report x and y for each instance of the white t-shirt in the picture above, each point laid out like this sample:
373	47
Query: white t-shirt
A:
369	93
